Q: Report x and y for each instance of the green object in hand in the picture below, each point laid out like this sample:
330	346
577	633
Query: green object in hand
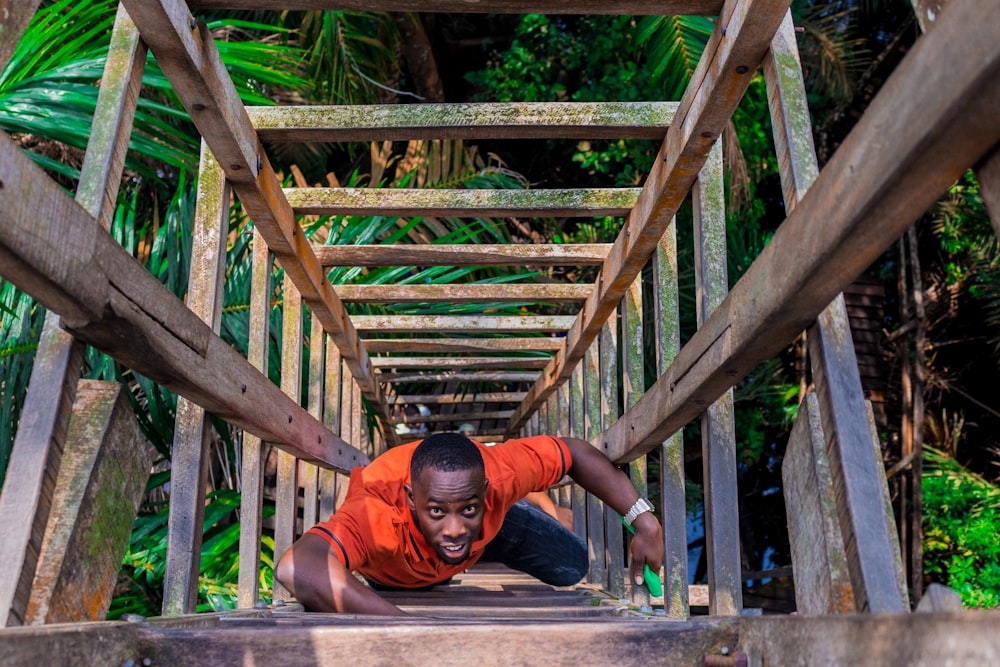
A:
652	580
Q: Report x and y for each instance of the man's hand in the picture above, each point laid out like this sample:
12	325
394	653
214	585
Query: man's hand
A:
647	545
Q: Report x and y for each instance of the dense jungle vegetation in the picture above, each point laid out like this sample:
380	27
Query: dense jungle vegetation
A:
48	92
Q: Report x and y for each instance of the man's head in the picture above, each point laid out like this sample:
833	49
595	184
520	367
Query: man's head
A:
446	493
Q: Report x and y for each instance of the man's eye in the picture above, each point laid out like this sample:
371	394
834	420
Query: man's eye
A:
435	511
471	509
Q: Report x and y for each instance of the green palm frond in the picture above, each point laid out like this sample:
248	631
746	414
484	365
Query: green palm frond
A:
674	45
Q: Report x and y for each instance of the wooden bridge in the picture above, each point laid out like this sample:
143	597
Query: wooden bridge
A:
79	464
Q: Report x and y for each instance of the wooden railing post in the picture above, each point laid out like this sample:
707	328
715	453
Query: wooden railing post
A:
595	506
328	479
577	429
192	428
610	411
634	386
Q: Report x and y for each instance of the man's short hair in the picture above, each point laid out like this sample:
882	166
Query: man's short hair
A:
447	452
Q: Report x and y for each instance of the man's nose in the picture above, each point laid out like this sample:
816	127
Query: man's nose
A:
454	527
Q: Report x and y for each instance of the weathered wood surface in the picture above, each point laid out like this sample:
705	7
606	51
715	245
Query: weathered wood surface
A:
667	7
939	598
192	426
448	399
610	386
596	544
252	463
822	579
730	58
576	203
462	323
459	362
15	15
458	377
469	417
506	344
544	292
718	424
938	113
482	254
512	120
188	56
105	466
578	429
52	249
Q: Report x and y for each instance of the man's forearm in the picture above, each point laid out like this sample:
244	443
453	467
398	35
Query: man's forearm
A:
597	474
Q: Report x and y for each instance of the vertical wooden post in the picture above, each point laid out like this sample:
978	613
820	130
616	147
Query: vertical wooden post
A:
287	491
577	429
331	417
718	428
38	444
311	490
634	386
346	405
668	343
595	506
857	475
610	411
192	428
252	473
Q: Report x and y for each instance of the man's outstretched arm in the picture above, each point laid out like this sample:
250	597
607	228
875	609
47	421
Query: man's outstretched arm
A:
594	472
312	573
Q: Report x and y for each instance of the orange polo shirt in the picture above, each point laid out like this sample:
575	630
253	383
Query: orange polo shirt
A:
374	532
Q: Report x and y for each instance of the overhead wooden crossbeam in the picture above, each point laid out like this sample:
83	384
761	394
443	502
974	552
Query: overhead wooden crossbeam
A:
477	254
411	202
186	52
53	249
938	113
462	323
633	7
504	292
448	399
533	344
457	417
438	363
454	376
505	120
731	56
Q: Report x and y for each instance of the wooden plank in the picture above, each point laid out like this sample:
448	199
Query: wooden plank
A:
988	175
638	7
506	344
666	301
730	58
102	478
867	198
332	419
482	254
51	249
511	120
478	376
459	362
252	464
449	399
462	323
411	202
577	429
315	402
596	546
610	410
186	51
718	424
469	417
835	366
192	428
822	580
286	494
59	359
546	292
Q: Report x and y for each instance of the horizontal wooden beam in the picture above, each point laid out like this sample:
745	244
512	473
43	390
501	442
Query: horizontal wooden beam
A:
458	362
470	376
734	50
458	417
511	120
938	112
448	399
413	202
409	345
185	50
635	7
501	292
483	254
462	323
52	249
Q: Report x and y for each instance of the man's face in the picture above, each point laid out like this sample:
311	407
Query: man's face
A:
448	507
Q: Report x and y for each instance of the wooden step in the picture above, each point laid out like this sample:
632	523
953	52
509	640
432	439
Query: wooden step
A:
635	7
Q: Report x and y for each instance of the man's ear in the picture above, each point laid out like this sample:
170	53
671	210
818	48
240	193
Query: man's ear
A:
409	498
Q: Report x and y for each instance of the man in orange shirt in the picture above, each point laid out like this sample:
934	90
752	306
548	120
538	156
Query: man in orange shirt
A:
423	512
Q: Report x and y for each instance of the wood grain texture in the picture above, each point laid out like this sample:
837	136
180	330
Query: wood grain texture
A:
457	376
105	466
15	15
585	254
822	579
512	120
459	362
447	399
866	196
735	48
52	249
517	292
577	203
424	324
639	7
506	344
596	544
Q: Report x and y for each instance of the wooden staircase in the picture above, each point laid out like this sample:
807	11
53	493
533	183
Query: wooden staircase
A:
579	374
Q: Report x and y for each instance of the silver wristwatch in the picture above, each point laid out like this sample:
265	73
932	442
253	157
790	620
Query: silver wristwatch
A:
641	505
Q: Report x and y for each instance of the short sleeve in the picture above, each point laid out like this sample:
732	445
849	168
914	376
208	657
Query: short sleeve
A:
355	530
535	463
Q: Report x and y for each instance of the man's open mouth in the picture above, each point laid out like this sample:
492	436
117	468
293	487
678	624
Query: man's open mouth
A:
454	550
